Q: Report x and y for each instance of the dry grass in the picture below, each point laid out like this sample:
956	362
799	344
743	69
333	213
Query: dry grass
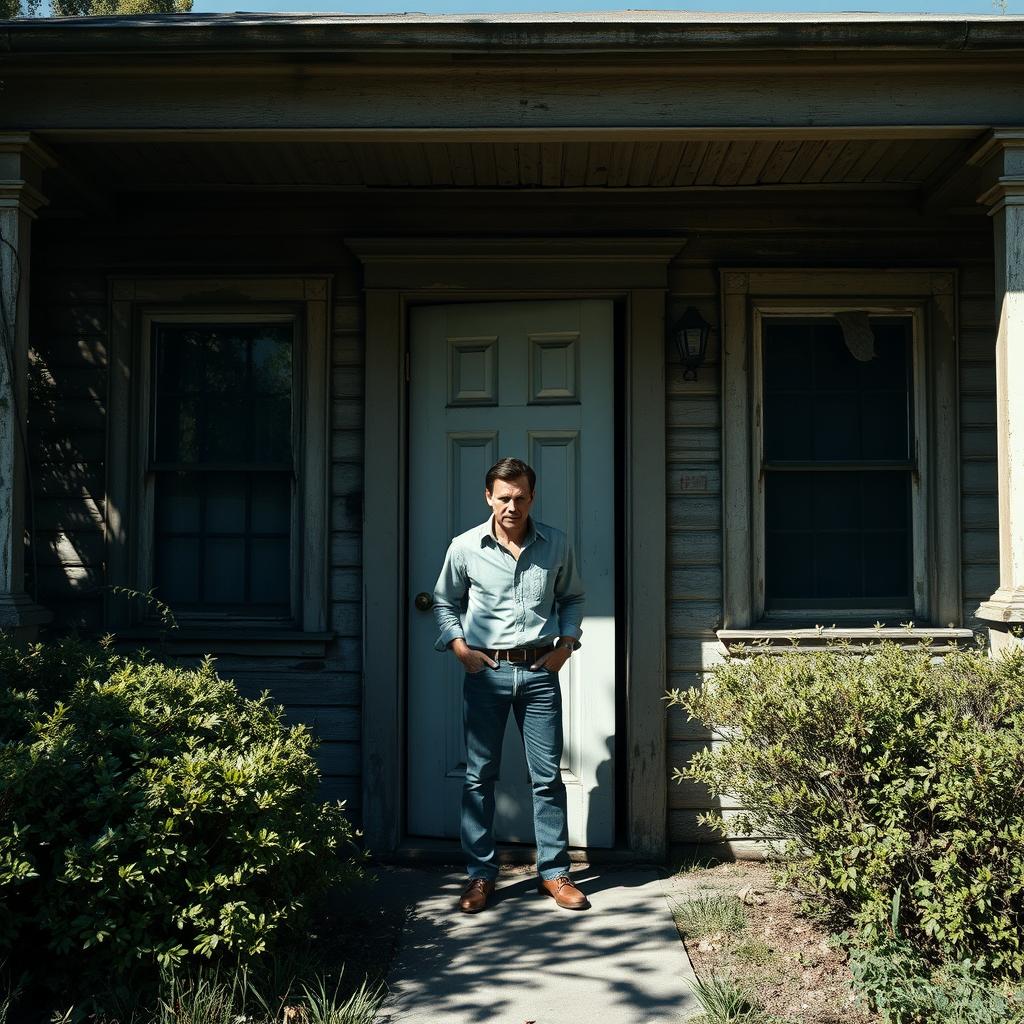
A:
781	962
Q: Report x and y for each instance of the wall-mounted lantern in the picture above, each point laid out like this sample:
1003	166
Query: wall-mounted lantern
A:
690	334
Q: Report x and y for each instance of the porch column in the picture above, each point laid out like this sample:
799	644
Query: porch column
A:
22	162
1001	160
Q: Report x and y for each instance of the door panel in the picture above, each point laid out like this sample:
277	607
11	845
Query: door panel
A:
532	380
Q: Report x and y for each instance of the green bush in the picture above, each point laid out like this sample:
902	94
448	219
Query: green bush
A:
151	817
886	772
894	979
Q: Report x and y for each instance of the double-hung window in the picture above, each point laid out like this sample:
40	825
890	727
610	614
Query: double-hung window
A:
837	458
218	464
222	460
840	449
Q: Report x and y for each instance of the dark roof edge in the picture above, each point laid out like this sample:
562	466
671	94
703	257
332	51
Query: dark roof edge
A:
254	33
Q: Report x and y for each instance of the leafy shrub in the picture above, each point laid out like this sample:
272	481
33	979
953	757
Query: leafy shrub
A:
894	979
888	771
150	816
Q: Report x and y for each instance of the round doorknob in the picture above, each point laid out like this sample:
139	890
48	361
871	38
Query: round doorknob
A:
424	601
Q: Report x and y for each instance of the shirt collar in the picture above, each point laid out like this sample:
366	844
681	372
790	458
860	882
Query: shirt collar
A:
535	531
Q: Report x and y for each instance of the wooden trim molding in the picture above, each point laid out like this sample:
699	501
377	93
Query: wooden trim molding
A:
400	271
134	301
929	296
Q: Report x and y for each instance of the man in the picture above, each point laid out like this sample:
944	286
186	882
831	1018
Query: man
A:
508	604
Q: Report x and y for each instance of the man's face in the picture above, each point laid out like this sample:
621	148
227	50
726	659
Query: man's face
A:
510	502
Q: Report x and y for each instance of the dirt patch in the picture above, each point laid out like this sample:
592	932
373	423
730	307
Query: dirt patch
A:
737	923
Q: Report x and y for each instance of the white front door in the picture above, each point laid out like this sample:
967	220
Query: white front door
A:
532	380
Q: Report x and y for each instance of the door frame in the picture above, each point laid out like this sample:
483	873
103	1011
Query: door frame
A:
400	272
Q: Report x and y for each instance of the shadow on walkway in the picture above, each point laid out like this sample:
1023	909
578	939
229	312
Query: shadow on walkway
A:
526	960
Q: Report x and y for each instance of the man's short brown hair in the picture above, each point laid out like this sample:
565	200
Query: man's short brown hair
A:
510	469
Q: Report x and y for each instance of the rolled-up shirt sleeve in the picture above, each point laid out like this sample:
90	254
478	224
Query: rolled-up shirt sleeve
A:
569	597
450	599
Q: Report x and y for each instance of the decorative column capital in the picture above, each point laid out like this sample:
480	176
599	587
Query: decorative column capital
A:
1000	160
23	159
1005	605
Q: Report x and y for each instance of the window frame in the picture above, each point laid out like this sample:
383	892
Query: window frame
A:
137	304
928	298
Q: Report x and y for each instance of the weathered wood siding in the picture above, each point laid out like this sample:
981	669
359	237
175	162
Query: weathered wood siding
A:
978	481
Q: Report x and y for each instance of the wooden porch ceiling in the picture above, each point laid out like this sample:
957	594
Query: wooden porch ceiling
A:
642	164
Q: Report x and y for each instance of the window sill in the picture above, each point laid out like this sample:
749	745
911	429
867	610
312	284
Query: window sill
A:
778	640
227	640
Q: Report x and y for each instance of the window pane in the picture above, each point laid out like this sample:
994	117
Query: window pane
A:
271	429
884	427
823	404
227	434
177	502
222	393
177	570
791	360
180	365
854	548
270	572
835	500
225	503
838	565
227	356
887	562
271	503
791	504
791	437
788	568
224	571
177	429
223	541
271	364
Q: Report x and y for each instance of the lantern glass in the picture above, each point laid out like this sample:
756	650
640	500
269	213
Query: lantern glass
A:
691	338
693	341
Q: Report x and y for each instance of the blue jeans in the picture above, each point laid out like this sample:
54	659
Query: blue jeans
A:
536	701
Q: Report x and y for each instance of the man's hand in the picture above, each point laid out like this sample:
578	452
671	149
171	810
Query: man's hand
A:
472	661
553	660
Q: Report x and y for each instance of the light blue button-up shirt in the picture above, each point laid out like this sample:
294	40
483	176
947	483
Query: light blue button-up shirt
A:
491	599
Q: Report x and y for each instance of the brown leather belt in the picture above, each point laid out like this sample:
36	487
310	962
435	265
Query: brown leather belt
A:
528	654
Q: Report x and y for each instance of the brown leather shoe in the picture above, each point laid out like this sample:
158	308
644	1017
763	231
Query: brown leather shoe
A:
474	896
564	893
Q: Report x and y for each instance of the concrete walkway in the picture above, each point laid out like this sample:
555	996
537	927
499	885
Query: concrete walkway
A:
526	961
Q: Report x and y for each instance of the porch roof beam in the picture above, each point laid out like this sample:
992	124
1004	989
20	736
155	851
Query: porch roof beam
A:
650	32
623	133
442	99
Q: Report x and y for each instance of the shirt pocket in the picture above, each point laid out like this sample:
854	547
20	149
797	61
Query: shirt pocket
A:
538	583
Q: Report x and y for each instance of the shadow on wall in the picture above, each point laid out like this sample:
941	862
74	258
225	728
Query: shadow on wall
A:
67	387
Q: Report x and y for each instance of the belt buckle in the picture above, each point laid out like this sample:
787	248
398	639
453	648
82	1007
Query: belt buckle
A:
514	654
